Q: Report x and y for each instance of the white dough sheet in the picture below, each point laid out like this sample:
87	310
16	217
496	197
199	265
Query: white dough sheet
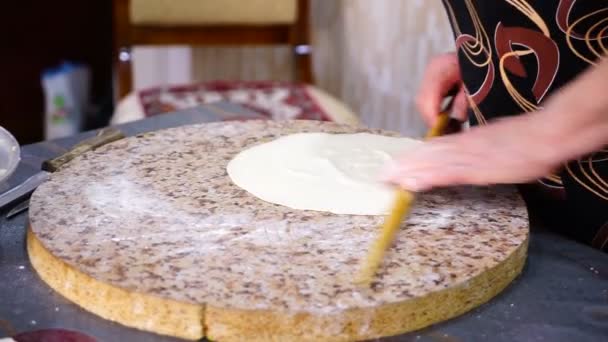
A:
337	173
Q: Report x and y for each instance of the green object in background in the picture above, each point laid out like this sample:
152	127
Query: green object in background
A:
59	101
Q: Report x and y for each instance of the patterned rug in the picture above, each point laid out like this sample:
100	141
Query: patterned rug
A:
275	100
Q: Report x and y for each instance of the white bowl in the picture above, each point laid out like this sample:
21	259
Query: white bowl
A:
10	154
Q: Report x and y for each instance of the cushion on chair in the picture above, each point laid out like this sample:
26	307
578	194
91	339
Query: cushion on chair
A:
212	12
274	100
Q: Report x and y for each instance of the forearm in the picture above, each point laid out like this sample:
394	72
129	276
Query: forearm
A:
576	117
515	149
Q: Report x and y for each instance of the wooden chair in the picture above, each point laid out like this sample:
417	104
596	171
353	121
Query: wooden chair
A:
210	24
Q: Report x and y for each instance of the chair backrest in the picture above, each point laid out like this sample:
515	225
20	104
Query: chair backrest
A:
212	12
210	23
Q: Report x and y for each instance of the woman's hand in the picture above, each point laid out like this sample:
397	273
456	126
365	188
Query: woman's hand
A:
510	150
441	75
517	149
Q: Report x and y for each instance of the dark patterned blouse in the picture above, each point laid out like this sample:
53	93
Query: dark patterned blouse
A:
513	53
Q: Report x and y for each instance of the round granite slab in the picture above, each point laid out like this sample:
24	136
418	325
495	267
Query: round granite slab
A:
149	231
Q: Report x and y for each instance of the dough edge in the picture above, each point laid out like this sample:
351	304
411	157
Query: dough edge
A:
195	321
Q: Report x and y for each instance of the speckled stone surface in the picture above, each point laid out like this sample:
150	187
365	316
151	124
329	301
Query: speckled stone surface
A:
158	214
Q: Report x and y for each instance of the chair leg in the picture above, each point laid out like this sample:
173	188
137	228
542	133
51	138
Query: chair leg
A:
122	49
301	43
124	73
303	64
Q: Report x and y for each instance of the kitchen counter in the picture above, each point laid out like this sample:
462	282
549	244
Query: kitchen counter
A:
562	293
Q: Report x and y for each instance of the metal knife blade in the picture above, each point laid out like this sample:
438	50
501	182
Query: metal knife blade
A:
21	207
23	189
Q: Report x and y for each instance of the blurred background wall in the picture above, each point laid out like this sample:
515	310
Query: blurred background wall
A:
370	54
38	35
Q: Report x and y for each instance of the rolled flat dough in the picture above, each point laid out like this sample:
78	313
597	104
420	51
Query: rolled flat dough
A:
337	173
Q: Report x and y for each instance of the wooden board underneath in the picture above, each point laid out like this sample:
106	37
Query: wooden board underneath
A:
188	321
151	233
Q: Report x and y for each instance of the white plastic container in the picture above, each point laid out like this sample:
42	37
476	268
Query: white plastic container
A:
66	97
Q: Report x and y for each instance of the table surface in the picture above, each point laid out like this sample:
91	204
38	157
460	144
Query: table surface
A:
562	294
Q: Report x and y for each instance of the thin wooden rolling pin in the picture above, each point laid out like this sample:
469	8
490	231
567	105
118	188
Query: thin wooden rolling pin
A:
403	203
